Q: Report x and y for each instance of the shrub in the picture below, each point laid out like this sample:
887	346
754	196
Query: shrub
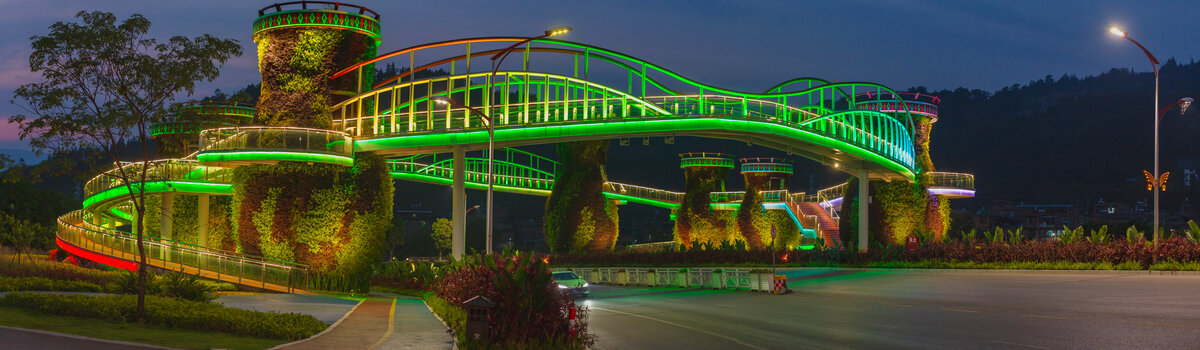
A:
12	284
184	286
528	306
172	313
405	275
12	266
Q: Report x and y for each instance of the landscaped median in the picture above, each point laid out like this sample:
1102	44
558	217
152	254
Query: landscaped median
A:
43	293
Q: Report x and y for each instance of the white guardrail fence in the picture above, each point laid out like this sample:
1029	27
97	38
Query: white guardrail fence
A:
685	277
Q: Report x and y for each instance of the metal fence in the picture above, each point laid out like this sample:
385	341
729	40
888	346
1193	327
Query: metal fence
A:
191	259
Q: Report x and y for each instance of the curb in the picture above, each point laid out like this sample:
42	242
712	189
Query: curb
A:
80	337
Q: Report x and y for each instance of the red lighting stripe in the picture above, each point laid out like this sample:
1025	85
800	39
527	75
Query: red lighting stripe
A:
103	259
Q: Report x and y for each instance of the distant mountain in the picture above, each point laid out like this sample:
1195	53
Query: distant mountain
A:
1071	140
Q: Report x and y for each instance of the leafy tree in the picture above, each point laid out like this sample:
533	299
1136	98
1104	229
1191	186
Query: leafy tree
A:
18	234
104	83
443	230
395	235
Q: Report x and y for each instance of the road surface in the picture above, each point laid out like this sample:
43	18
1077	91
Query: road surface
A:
909	310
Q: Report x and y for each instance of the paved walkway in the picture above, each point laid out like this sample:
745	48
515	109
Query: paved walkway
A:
383	321
415	327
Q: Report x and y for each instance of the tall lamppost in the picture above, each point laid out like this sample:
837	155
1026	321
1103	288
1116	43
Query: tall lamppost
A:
497	59
491	127
1153	65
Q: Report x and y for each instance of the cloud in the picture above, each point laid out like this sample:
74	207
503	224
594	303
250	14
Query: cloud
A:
14	67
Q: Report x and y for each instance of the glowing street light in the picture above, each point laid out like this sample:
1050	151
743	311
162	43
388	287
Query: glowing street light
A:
497	59
1157	115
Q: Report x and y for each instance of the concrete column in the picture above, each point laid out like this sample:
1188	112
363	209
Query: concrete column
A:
864	201
202	220
458	208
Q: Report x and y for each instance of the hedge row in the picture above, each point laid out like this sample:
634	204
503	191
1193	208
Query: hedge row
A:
173	313
13	284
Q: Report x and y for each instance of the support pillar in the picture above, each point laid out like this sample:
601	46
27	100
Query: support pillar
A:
864	201
168	201
458	208
202	220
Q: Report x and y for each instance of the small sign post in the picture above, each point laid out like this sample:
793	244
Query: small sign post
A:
912	243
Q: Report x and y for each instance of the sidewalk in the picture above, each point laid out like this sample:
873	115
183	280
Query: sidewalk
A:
383	321
415	327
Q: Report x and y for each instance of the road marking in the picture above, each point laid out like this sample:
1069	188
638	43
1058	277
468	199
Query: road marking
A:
391	325
1164	325
1047	317
735	340
900	305
960	310
1018	344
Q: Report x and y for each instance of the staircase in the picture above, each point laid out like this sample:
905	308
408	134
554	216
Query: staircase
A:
829	227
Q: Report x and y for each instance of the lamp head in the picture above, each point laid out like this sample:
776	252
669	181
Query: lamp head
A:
442	100
1116	31
556	31
1183	104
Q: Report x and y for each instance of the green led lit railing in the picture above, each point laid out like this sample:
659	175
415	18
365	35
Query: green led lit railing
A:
334	15
396	107
157	170
951	180
874	132
195	117
705	159
645	193
541	99
177	256
260	144
766	165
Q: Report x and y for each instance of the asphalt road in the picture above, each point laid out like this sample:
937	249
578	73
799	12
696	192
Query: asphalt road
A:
909	310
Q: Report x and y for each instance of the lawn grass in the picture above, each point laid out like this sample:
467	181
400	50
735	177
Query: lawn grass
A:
131	332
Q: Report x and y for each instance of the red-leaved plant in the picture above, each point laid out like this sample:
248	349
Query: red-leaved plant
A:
528	306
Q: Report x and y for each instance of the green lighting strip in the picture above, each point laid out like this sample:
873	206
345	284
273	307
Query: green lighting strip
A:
159	187
319	18
706	161
469	184
766	168
646	201
594	129
251	156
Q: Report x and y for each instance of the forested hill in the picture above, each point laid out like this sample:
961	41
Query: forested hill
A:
1070	140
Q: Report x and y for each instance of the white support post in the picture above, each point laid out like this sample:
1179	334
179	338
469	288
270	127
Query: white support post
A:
202	219
864	201
458	207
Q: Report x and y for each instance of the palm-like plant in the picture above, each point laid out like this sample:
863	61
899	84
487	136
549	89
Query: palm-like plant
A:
1101	236
1193	231
1132	234
1016	237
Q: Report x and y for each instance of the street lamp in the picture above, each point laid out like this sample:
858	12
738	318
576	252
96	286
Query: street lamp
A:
497	59
1153	65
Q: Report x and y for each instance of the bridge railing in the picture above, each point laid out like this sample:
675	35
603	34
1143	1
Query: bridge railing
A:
157	170
276	139
644	192
191	259
952	180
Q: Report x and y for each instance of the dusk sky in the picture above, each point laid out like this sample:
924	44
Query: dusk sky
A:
748	45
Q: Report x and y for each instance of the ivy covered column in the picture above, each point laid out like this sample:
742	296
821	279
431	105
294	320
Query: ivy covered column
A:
704	173
578	218
754	222
330	217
